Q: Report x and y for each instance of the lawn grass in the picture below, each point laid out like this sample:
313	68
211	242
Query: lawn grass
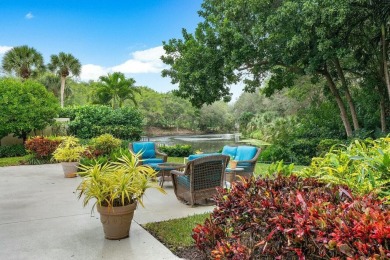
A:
176	233
11	161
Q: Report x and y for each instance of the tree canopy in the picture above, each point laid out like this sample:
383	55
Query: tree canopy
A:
281	41
24	107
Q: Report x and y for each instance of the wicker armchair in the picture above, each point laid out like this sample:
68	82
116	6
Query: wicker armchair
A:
149	153
197	184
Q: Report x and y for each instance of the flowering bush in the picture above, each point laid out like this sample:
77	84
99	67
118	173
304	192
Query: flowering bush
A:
42	148
293	218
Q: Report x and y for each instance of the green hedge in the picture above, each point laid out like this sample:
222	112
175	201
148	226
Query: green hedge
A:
93	120
12	151
177	150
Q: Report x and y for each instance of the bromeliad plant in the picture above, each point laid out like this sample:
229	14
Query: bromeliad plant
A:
118	183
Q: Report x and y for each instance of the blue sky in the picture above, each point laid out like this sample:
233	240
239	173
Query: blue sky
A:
104	35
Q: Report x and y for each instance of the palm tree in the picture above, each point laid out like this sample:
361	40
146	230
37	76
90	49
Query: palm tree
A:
64	65
116	88
24	61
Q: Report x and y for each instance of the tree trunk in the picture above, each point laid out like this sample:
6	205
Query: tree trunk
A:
383	114
62	90
347	95
384	58
336	94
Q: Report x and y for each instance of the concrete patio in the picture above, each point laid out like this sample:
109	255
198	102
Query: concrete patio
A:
41	218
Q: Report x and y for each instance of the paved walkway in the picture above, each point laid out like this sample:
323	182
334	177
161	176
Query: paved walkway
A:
41	218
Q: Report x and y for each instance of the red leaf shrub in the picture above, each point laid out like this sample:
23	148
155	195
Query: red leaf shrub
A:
293	218
42	147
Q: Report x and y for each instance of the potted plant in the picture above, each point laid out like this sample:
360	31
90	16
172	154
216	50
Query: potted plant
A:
116	188
69	153
233	163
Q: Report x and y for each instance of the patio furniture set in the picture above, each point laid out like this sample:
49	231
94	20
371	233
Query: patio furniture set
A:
196	180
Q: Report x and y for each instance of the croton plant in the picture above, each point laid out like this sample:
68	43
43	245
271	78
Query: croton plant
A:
294	218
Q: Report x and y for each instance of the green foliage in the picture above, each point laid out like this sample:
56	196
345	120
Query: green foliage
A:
326	145
114	89
105	143
116	183
92	121
364	166
15	150
303	150
177	150
25	106
275	153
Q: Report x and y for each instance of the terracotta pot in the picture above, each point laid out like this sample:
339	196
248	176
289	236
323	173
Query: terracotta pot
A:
70	169
116	220
233	164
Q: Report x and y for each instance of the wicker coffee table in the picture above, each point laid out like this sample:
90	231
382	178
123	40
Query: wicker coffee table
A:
231	175
166	168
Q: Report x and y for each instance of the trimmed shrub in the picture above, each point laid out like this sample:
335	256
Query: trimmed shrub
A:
177	150
275	153
293	218
105	143
12	150
92	121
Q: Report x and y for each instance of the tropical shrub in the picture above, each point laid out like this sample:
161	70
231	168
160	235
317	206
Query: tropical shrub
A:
92	121
42	148
293	218
177	150
326	144
12	150
25	106
364	166
275	152
302	150
105	143
69	150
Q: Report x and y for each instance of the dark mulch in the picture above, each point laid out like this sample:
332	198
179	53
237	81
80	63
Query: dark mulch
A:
190	253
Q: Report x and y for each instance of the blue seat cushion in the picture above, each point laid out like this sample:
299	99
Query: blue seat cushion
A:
146	148
154	166
245	153
152	160
229	151
196	156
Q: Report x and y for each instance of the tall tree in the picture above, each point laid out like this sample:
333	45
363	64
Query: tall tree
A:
115	88
23	61
64	65
251	40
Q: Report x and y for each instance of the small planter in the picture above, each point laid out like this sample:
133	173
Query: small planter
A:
116	221
70	169
233	164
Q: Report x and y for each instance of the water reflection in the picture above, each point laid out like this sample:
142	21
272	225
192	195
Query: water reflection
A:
206	143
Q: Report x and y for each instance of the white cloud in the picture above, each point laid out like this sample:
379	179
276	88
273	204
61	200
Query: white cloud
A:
146	61
29	16
4	49
92	72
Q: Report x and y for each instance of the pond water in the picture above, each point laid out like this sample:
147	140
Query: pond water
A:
206	143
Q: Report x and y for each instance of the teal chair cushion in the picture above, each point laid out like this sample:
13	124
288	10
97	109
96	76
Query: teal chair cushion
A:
245	153
152	160
196	156
229	150
146	148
